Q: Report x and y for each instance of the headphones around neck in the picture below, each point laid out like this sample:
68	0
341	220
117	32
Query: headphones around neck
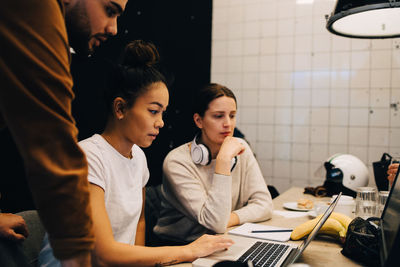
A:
201	154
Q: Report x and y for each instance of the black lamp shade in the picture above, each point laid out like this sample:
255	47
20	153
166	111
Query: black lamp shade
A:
365	19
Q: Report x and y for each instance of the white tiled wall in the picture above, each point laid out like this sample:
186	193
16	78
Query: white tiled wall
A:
305	94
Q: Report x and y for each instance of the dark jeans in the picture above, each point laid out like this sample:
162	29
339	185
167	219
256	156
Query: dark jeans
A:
23	254
12	254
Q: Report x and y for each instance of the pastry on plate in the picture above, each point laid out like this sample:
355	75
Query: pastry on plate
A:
304	203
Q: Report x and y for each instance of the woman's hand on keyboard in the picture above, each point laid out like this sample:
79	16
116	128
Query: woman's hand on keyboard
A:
208	244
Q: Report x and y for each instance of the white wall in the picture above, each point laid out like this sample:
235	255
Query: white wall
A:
305	94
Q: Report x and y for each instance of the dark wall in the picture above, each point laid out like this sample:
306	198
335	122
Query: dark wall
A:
181	30
14	190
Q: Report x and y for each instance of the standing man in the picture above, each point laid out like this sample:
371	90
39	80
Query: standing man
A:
35	104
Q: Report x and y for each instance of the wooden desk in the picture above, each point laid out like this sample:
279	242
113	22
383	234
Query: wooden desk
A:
324	252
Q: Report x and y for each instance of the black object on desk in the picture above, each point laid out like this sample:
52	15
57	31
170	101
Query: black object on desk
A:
380	172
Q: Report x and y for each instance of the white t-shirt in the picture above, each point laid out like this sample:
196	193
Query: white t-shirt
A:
122	180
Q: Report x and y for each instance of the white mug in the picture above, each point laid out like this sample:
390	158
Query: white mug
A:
346	205
320	207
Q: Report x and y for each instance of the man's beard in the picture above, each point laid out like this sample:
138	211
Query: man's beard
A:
78	29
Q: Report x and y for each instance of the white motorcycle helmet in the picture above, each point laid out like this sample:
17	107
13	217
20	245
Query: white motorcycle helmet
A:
345	173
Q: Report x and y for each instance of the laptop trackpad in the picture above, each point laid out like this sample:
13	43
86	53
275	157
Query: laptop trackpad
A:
232	253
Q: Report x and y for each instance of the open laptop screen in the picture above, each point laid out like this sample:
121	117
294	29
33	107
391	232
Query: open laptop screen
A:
317	227
390	223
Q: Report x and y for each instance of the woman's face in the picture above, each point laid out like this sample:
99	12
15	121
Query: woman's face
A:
218	121
141	122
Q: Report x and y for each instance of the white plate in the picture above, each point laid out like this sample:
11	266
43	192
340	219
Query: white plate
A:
312	214
293	206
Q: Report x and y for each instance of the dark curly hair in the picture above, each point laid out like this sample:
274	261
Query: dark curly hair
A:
133	77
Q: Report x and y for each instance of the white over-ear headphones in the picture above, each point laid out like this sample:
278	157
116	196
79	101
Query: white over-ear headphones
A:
201	154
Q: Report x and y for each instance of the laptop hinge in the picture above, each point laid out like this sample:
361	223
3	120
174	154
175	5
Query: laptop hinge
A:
290	257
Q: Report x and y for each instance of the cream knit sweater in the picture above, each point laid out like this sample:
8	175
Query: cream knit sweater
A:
198	201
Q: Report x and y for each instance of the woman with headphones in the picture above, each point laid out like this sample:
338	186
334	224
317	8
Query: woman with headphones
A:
213	182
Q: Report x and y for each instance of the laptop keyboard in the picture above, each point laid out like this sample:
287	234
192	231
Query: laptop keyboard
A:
264	254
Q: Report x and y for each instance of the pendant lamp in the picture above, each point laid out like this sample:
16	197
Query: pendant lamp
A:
365	19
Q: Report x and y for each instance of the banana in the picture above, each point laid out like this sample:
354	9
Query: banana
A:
303	229
331	227
342	218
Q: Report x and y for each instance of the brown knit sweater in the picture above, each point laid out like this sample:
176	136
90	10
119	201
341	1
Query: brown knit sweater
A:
35	104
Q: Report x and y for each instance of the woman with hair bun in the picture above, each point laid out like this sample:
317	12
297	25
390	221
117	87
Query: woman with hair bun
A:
118	173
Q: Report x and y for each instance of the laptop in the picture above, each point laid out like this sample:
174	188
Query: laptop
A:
390	225
264	253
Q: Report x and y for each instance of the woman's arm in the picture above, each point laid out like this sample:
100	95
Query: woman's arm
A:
233	220
108	252
254	191
210	205
230	148
140	238
206	200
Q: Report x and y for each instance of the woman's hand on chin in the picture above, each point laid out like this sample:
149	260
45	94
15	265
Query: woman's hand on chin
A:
230	148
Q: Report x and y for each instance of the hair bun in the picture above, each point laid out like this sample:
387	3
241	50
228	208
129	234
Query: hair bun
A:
139	53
